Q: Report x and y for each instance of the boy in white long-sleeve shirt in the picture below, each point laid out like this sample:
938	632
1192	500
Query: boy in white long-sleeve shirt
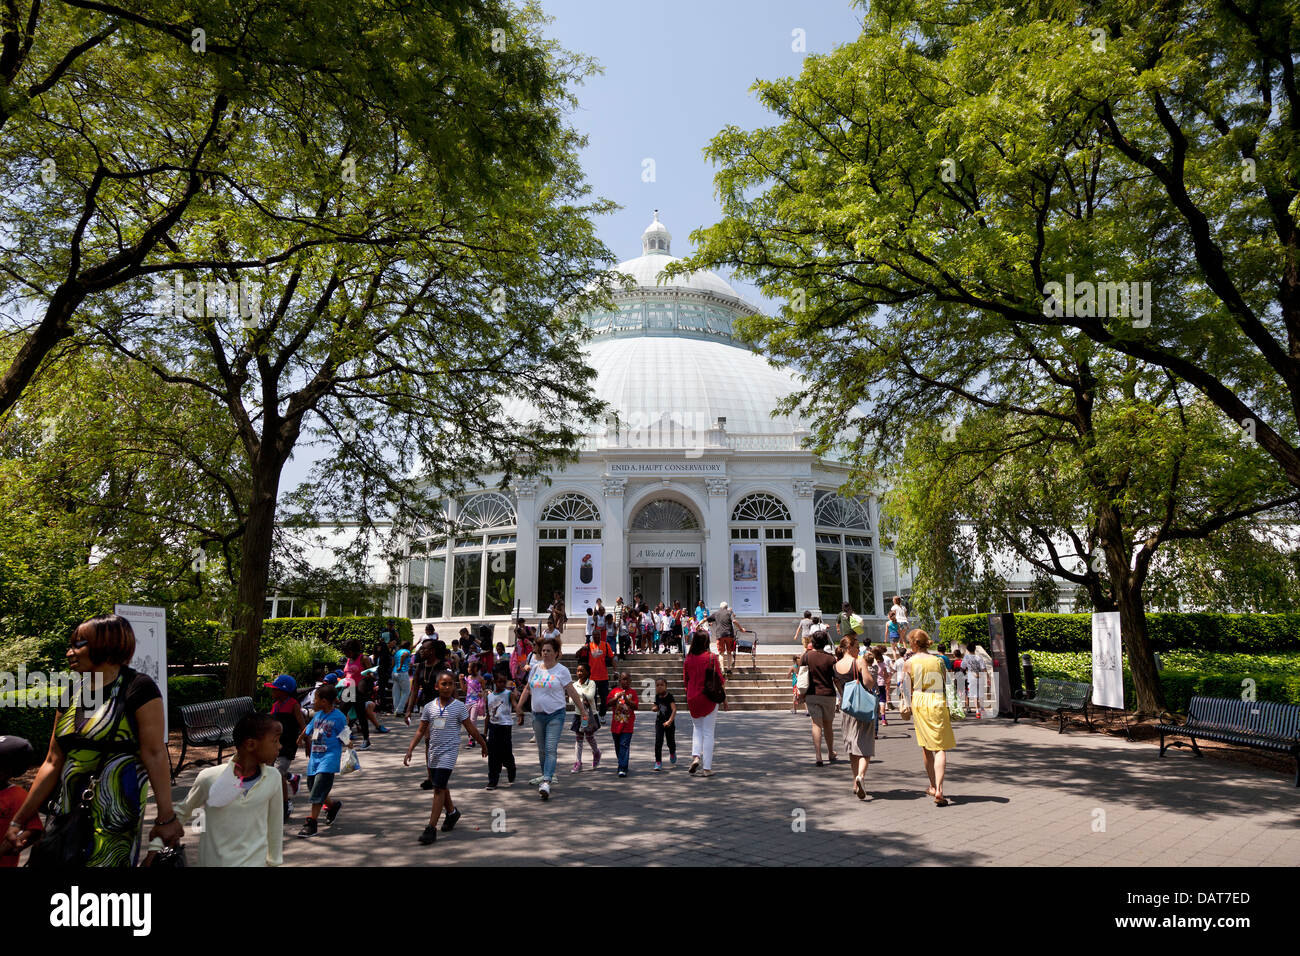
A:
239	805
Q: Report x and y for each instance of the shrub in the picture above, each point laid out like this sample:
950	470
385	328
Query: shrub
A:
334	631
1167	631
191	642
294	657
1275	676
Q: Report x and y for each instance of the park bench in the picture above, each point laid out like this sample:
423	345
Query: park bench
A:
1266	725
211	722
1059	697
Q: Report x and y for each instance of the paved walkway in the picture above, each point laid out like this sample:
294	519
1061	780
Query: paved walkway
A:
1022	795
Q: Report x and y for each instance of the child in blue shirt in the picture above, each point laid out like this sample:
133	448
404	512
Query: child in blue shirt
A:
328	733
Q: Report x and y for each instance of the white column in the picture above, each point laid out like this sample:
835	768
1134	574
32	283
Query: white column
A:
873	511
526	547
805	543
449	566
717	544
613	550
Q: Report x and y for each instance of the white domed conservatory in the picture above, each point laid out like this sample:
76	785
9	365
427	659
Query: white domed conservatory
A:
692	488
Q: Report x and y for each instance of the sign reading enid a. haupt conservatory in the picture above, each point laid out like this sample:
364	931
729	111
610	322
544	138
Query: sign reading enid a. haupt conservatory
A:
667	468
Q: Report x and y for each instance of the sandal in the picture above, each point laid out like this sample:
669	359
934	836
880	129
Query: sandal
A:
820	764
859	789
929	791
940	801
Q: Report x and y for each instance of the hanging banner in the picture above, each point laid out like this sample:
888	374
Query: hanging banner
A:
746	588
585	562
1107	661
150	658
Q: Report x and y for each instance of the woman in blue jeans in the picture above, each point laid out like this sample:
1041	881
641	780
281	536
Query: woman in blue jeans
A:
547	686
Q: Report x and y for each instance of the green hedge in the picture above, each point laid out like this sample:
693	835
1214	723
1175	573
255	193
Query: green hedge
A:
191	642
35	723
335	631
1168	632
1274	679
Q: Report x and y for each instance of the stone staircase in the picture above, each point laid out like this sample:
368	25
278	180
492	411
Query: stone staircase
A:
766	687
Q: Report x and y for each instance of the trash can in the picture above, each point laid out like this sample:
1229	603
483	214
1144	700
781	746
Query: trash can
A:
1027	666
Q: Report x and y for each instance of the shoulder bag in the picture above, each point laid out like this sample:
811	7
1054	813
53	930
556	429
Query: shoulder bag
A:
713	683
69	837
858	702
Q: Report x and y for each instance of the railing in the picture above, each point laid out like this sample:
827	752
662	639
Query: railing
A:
684	439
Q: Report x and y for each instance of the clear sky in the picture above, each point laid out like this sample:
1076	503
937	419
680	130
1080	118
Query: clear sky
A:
674	73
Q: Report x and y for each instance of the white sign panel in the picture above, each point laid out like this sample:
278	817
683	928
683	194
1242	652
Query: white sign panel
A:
1107	661
150	627
667	468
585	563
746	583
657	555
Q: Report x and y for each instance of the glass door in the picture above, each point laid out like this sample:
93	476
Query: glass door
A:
650	583
684	586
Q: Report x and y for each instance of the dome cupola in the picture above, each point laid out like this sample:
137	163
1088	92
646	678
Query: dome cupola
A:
656	240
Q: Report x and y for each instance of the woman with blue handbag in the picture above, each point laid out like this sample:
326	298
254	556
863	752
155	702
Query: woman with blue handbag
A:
856	683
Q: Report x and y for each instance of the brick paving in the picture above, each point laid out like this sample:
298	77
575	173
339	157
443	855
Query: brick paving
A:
1021	796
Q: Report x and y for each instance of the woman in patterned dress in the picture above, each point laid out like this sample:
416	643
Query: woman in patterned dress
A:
125	722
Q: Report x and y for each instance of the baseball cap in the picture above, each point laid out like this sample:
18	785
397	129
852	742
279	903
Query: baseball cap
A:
284	682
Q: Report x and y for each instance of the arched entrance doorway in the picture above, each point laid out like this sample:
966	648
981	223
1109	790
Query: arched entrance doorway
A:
665	552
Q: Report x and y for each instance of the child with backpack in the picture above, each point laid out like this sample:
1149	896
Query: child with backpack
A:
328	733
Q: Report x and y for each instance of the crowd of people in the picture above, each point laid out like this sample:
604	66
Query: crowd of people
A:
102	764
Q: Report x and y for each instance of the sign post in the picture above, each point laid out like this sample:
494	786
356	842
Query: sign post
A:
150	627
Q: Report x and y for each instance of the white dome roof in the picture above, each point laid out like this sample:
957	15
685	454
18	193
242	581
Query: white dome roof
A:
690	381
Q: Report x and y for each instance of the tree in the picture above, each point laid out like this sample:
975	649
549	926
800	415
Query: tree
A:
451	250
114	488
943	167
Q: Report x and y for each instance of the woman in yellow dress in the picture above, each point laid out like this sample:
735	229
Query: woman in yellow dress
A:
930	712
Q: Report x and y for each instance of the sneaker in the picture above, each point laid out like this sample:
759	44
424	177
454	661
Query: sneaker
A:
576	768
288	812
450	821
332	813
658	765
544	791
383	729
490	786
622	773
364	745
672	758
595	759
308	828
536	781
294	780
429	835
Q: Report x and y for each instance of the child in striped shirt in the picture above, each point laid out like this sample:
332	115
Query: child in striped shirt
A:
441	720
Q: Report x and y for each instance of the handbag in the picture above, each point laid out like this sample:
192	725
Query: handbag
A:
713	683
801	681
905	695
858	702
69	837
855	623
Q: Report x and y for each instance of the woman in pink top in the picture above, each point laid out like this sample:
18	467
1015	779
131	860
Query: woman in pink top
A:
704	712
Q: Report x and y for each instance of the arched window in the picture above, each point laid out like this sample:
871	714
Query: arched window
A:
491	509
845	566
836	511
663	514
571	507
760	507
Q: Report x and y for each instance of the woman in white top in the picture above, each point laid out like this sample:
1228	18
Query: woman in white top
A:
548	685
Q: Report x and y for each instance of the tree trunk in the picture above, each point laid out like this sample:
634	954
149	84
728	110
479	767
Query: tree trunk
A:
52	329
254	571
1141	659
